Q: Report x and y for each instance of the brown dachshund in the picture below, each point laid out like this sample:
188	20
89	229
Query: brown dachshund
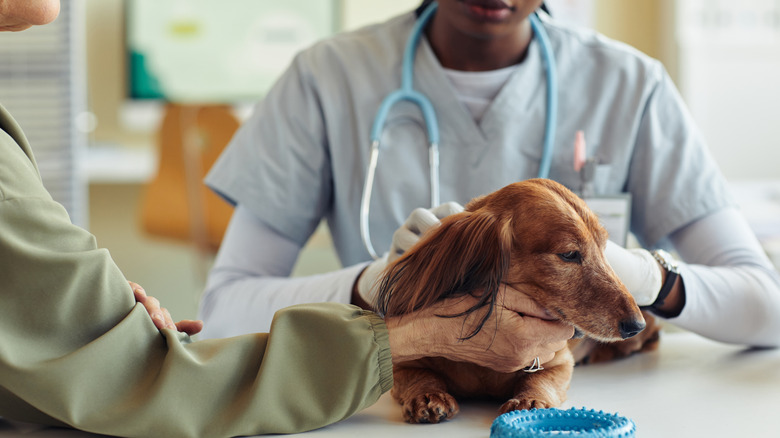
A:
537	237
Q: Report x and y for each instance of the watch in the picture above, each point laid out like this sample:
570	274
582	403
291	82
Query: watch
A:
670	265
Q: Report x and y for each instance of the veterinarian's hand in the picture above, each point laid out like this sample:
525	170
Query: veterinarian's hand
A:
420	221
160	315
638	270
517	332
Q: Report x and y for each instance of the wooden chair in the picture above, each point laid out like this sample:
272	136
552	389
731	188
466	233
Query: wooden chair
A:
177	204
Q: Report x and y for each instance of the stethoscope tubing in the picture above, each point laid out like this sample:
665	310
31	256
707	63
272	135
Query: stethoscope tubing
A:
551	71
408	93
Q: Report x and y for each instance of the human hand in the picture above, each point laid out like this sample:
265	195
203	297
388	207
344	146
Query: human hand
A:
160	315
418	222
517	332
638	270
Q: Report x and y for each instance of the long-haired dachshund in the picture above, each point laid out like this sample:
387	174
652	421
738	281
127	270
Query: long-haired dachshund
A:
535	236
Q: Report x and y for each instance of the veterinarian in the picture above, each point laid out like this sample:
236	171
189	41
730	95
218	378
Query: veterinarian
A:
77	350
305	155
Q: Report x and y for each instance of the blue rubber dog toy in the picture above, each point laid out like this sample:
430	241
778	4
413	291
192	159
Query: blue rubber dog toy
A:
575	423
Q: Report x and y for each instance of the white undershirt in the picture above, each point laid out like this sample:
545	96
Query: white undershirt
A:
732	290
477	89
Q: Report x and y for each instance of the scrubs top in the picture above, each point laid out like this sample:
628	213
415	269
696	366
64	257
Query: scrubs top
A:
303	154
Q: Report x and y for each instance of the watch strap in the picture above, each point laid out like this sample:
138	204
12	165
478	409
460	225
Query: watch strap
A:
672	272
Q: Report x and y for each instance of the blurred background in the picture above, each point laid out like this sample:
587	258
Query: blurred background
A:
90	93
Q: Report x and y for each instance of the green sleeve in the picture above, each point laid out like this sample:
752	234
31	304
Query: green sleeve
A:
76	350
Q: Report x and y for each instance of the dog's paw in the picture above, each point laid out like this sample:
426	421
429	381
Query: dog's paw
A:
523	403
430	408
538	397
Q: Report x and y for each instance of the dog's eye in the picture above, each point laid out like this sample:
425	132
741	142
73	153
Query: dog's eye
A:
571	256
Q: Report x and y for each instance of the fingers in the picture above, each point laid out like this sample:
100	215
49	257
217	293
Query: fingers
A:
168	319
523	338
160	315
409	233
516	301
446	209
540	323
507	342
420	221
550	337
552	333
403	239
138	292
189	326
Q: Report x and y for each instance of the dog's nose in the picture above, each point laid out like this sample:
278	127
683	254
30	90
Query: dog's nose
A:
630	327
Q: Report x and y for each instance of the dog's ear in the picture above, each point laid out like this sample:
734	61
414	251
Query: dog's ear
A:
468	253
476	203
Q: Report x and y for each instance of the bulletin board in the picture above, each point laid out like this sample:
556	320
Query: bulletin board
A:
217	51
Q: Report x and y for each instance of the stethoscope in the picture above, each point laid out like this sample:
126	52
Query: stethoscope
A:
407	92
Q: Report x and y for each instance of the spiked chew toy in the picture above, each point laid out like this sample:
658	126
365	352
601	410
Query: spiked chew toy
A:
574	423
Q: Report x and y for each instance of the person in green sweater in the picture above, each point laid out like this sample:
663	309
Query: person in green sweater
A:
79	349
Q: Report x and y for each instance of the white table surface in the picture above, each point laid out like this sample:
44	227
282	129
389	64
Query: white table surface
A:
690	387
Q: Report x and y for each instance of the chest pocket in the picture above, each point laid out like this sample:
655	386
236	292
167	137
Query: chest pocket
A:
602	183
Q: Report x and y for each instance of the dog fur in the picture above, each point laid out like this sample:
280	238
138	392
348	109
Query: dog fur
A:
537	237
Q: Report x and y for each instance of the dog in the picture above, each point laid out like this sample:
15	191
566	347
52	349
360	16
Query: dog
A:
535	236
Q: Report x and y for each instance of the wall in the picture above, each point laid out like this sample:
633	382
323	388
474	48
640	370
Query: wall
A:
725	59
356	13
637	23
729	70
